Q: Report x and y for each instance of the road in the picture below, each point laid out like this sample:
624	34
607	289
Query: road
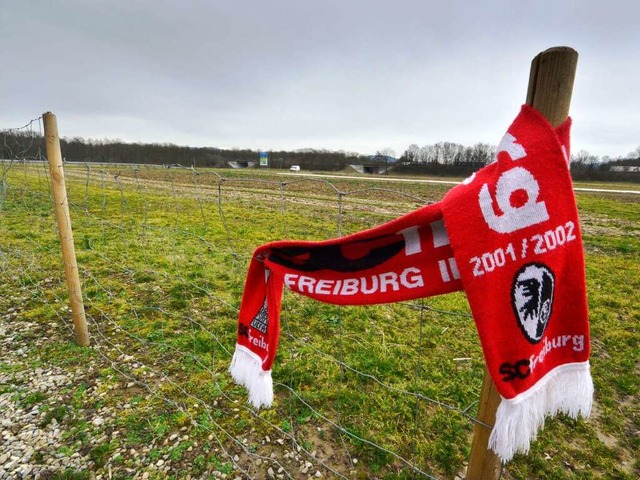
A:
440	182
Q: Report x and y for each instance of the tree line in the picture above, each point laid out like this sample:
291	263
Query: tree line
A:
77	149
18	144
446	158
442	158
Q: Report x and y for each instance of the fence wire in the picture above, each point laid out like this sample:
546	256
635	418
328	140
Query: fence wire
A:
380	392
361	392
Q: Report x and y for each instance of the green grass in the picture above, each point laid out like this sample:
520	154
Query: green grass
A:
31	399
163	265
58	413
71	474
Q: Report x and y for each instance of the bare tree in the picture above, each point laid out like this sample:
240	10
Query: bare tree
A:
585	158
634	154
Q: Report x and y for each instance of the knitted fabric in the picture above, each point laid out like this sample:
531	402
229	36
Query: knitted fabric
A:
508	236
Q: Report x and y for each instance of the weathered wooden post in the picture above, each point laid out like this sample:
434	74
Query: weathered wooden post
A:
63	220
550	87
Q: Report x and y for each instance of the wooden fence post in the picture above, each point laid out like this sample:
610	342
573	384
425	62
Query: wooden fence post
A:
63	220
550	87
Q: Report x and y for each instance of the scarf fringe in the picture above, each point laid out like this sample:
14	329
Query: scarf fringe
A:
566	389
246	370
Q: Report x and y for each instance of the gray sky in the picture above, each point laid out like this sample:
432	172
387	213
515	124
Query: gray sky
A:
349	75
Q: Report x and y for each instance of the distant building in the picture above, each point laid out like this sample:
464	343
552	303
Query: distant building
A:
625	168
241	164
375	164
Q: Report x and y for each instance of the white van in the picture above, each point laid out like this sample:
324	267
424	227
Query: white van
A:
295	168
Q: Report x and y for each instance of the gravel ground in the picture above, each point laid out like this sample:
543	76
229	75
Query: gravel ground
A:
35	441
54	422
30	440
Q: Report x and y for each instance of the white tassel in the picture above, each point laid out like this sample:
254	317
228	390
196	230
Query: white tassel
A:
246	370
565	389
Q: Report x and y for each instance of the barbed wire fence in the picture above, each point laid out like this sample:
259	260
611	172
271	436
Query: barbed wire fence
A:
162	254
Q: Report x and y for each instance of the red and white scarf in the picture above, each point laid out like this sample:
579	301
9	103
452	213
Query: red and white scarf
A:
508	236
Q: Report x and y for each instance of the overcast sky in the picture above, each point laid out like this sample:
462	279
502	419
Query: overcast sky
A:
349	75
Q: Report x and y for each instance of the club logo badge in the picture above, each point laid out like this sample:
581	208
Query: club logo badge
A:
261	319
532	299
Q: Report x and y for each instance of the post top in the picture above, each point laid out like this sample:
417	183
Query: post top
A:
560	49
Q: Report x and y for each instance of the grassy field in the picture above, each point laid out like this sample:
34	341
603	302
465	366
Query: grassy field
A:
361	392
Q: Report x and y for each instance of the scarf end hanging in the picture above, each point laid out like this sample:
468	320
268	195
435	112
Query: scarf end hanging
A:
246	370
566	389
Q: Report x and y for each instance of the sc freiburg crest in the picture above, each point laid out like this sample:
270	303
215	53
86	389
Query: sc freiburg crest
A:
532	299
261	320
